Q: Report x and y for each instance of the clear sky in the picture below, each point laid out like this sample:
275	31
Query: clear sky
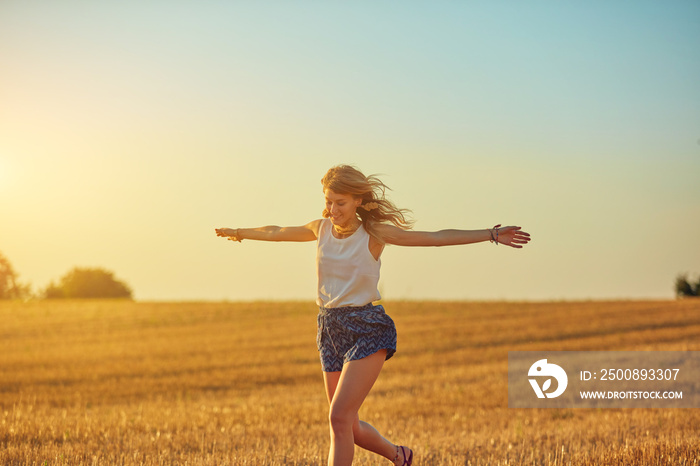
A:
130	130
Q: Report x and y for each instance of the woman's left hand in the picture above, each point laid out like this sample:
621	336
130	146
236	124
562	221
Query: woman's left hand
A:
511	236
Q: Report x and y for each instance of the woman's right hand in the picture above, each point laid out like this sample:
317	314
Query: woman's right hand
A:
228	233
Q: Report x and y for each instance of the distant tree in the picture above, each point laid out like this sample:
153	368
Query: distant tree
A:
685	287
10	288
88	283
53	291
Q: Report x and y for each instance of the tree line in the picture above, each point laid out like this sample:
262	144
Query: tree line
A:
101	283
77	283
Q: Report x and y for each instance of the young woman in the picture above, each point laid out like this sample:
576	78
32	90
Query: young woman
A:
354	336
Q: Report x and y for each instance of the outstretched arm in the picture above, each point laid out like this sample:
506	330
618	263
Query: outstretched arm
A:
510	236
308	232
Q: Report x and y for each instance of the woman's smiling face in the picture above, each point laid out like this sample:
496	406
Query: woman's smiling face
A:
342	208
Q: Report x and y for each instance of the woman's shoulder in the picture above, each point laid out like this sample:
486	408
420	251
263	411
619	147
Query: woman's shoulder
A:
316	225
385	229
389	232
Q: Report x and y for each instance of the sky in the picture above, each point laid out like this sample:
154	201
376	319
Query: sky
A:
130	130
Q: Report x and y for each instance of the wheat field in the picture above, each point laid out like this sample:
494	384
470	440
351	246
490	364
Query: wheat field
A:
137	383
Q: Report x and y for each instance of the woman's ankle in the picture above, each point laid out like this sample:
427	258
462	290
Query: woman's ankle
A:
402	454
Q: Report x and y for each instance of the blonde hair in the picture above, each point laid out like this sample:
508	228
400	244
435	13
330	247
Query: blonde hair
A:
375	208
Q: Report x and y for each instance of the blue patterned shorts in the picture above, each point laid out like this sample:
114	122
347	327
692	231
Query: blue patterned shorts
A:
350	333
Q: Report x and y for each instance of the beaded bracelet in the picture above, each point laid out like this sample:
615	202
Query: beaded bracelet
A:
492	240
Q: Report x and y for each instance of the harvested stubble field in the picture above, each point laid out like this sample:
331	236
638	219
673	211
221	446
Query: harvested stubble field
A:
114	382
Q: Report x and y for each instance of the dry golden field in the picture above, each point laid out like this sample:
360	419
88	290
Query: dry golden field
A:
114	382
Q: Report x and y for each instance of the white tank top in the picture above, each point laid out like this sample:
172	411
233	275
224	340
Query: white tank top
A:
348	274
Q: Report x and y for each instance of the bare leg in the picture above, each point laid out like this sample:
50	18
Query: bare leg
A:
365	436
368	438
354	383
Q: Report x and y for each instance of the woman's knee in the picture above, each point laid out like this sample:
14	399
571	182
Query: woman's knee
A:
342	420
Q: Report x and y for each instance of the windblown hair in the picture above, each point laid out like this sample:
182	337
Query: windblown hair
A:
376	208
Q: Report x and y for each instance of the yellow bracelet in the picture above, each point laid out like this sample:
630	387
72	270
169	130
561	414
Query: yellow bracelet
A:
234	237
